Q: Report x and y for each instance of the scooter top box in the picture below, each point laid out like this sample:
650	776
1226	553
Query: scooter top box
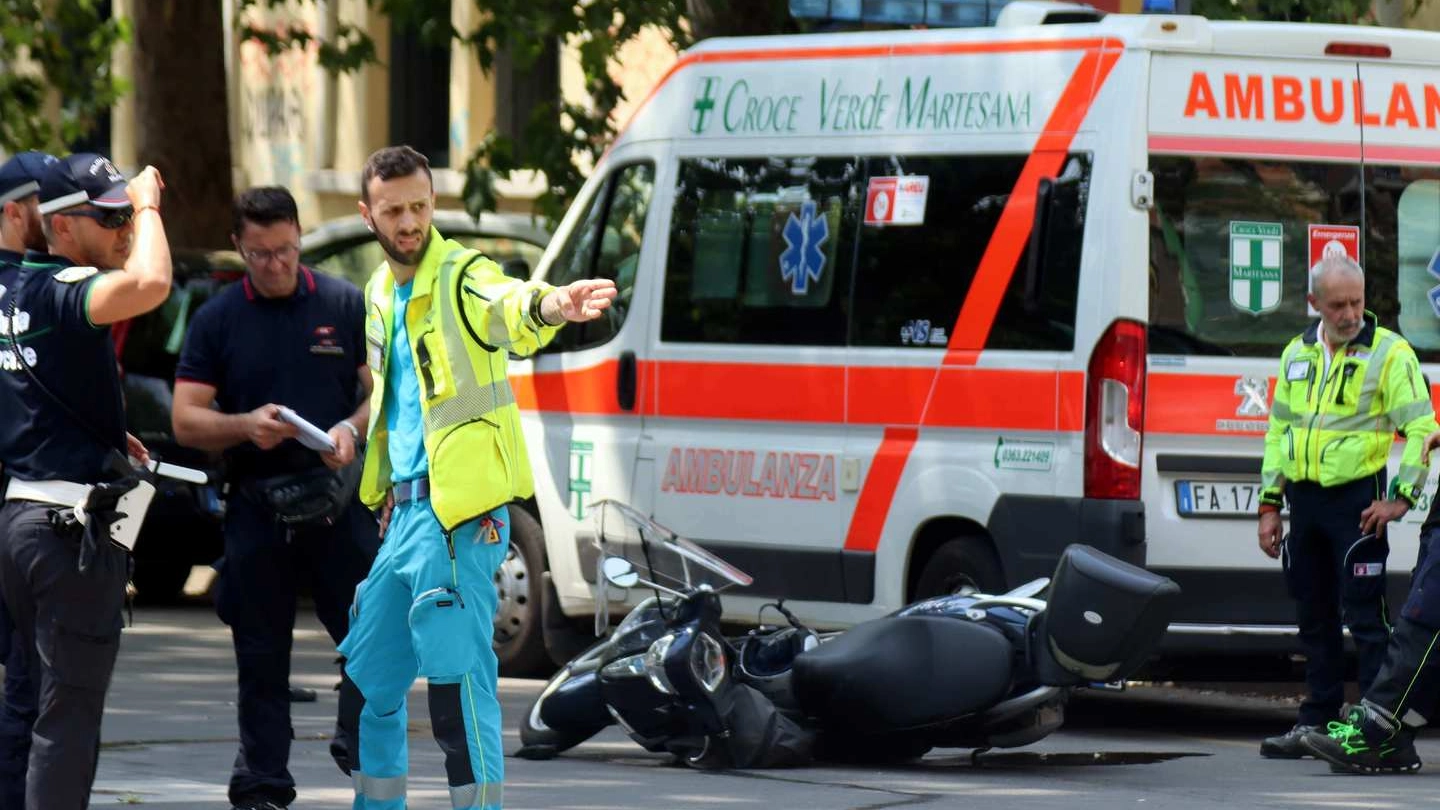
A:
1103	616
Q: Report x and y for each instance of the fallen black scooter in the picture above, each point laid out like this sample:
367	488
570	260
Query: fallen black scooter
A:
964	671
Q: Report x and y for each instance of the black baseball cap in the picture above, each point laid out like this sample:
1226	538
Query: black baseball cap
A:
82	179
20	175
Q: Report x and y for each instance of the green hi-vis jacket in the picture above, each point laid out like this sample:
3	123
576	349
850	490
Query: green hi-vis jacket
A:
463	319
1335	425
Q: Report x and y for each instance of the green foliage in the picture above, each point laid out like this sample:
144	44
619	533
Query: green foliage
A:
557	137
60	45
1314	11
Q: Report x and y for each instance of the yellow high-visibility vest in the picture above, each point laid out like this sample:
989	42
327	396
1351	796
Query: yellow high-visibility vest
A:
464	318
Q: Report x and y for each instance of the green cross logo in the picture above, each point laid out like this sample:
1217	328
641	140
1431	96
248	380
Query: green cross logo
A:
1256	269
704	103
581	457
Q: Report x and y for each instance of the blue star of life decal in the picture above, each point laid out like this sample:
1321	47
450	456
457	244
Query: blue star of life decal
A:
803	261
1434	295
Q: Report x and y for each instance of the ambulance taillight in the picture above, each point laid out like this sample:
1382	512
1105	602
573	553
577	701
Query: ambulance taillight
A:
1115	412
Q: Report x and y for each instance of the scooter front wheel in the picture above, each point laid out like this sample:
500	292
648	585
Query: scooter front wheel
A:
539	740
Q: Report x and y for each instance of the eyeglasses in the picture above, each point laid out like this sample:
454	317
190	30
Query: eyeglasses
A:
284	254
108	218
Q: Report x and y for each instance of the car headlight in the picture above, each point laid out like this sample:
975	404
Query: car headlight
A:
707	661
655	664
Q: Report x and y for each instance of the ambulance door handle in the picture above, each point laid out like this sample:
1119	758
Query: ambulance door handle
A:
625	381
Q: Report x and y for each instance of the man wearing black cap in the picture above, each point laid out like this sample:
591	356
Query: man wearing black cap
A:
19	231
63	445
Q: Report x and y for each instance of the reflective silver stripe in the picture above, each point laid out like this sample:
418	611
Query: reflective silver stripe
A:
471	400
1372	372
1357	423
379	788
1412	475
19	192
1281	412
490	794
1271	479
61	203
1405	413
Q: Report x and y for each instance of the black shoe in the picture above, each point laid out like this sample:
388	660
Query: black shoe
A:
299	694
1346	748
1287	745
257	806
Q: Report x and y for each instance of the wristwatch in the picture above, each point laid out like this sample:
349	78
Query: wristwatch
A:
354	431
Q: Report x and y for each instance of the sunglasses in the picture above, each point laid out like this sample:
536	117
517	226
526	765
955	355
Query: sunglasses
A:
109	218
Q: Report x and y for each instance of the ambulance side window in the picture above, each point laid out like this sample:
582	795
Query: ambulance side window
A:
606	244
760	251
1231	244
913	277
1401	253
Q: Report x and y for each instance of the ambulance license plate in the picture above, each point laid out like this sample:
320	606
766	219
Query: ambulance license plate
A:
1217	498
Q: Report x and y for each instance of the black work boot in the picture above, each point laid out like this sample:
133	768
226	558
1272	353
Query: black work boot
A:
1287	745
1360	744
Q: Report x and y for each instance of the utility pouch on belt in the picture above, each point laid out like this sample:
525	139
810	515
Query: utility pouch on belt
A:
314	497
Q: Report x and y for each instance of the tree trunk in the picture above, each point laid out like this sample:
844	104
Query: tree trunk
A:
182	117
738	18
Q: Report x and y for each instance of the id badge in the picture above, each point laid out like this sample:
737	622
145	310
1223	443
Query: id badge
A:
1297	371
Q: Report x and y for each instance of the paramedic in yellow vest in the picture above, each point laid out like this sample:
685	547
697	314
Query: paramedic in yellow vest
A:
1345	386
445	455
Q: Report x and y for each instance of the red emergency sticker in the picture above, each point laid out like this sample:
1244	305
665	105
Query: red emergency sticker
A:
896	200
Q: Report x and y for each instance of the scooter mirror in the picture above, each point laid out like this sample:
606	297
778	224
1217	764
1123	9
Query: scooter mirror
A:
619	572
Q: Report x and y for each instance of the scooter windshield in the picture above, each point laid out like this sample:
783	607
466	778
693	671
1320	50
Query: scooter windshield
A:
659	554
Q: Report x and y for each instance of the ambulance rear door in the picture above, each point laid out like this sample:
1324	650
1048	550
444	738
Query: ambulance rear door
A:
1257	170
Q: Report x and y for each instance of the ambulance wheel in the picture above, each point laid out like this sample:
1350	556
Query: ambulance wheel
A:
519	634
963	565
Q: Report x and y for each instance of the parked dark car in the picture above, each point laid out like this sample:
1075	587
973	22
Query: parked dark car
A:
182	528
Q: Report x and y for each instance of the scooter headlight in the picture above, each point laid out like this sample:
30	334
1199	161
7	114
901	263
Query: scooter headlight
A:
655	664
707	661
631	666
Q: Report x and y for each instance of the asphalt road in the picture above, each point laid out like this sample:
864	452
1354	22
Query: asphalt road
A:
170	737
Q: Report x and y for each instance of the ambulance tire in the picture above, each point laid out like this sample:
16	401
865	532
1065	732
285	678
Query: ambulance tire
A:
965	564
519	631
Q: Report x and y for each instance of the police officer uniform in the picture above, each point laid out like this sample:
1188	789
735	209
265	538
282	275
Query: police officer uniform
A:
19	180
1331	429
53	460
304	352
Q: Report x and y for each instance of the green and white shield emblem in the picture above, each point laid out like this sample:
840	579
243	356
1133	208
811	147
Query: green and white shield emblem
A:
1255	265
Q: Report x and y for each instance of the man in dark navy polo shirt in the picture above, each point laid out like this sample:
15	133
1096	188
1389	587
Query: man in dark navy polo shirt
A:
20	231
63	444
283	337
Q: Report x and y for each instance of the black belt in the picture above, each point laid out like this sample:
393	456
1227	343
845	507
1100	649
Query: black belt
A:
412	490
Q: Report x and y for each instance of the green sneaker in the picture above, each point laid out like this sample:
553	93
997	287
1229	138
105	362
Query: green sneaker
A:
1344	746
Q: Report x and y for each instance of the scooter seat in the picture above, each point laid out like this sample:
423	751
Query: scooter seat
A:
903	672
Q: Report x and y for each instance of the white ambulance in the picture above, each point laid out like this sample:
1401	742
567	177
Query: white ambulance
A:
907	312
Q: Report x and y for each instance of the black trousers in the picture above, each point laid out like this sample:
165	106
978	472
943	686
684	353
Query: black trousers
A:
1408	686
265	562
1333	579
71	622
17	713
